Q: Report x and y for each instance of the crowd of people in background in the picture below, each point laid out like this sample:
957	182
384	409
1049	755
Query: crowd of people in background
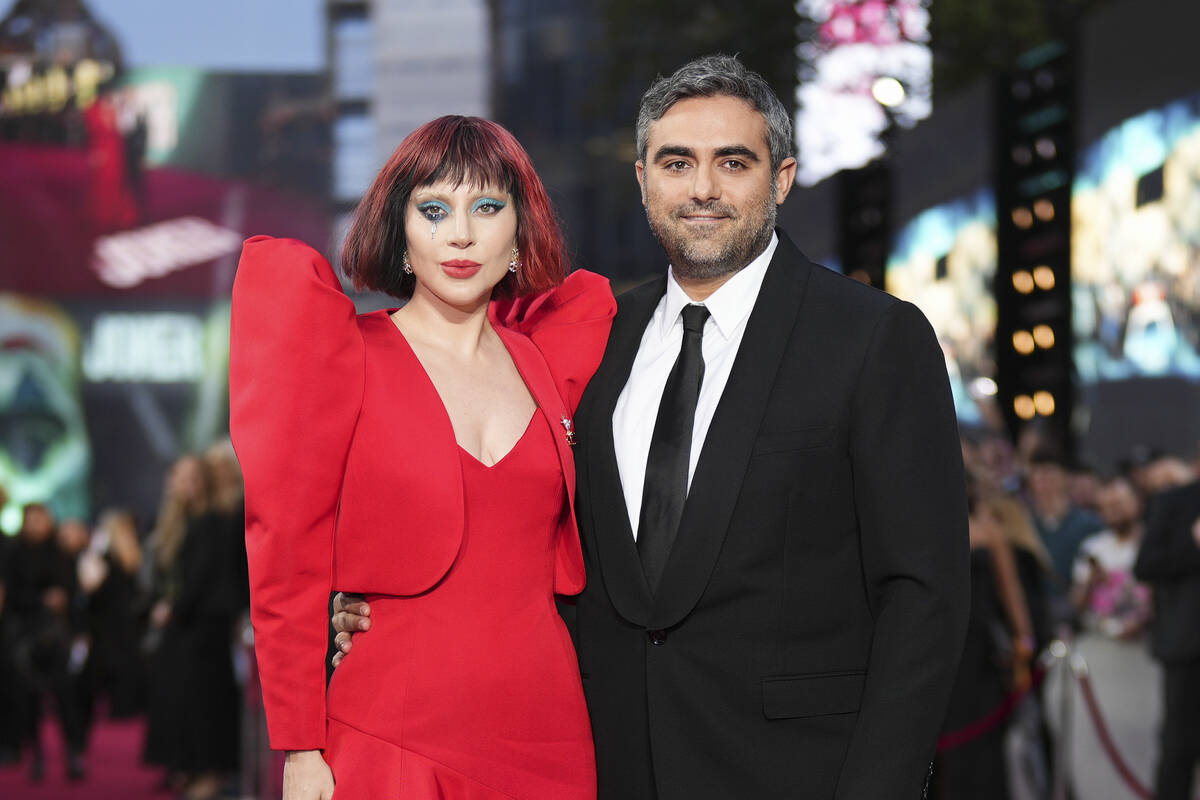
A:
1059	552
110	619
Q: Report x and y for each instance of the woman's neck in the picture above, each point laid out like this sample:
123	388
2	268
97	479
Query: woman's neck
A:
459	330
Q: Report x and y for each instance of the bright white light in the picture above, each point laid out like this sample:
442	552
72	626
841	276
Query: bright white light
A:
983	387
888	91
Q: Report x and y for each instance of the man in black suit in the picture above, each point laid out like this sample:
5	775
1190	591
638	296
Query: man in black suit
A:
1169	560
770	492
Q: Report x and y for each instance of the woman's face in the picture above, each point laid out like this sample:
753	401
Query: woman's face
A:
187	480
460	241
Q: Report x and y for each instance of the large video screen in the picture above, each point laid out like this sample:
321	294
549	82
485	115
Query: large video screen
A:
944	262
121	218
1136	249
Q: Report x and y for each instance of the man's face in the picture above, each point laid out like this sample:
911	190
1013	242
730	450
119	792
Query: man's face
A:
1047	481
708	187
1119	504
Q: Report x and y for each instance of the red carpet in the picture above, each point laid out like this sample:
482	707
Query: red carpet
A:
114	768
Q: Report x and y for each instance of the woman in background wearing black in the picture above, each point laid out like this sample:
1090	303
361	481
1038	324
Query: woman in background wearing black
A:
108	573
996	659
194	701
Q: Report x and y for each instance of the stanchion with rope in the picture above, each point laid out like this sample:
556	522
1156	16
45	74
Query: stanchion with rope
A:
1079	669
1058	652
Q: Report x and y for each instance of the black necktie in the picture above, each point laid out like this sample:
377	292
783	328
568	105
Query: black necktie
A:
670	450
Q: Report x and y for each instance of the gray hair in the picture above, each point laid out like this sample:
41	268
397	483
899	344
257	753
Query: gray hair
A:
725	76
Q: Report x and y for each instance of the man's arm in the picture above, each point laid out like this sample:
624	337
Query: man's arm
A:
351	616
910	499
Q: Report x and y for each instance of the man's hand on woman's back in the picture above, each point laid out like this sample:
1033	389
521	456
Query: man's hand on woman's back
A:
350	616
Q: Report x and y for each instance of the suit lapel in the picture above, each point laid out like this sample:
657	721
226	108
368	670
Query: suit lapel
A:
725	456
615	549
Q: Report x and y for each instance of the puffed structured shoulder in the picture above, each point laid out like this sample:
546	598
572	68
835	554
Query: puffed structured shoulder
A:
296	369
275	272
569	324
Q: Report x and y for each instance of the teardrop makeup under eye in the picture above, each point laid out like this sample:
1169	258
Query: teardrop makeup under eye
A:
487	201
434	205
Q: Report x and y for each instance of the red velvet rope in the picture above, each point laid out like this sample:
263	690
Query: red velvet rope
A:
1106	741
991	720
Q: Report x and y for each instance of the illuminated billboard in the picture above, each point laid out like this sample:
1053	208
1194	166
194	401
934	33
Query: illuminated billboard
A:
121	239
944	262
867	67
1136	249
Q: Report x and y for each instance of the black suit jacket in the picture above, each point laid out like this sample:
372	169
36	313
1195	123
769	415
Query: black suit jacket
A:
808	624
1169	560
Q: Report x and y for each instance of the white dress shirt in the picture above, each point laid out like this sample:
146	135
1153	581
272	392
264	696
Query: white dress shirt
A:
637	407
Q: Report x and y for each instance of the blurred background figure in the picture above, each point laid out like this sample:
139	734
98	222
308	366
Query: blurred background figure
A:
10	729
1085	487
73	539
39	589
1165	473
1028	745
108	577
1061	525
1105	593
1169	561
1114	613
229	507
194	702
997	660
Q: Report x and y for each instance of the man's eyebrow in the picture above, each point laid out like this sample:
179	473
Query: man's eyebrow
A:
736	150
673	150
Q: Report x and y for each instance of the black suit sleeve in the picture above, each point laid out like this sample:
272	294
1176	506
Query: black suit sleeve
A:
1168	550
910	499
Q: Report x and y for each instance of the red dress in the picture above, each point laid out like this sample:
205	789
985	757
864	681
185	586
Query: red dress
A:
467	685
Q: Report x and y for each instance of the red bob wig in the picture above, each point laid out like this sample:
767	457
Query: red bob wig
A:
458	149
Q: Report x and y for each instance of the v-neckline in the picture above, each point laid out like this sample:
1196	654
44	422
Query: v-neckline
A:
524	435
442	403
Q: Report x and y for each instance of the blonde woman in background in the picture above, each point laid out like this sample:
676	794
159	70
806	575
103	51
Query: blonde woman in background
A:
194	700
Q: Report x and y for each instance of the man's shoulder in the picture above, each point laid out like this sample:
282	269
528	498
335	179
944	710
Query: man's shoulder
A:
648	289
834	287
850	311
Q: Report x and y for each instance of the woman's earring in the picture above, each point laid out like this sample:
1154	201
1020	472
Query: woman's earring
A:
404	262
514	260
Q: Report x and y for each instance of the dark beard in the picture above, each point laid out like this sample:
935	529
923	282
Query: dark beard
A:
737	251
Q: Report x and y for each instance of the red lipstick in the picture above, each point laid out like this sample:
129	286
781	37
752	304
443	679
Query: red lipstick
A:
460	268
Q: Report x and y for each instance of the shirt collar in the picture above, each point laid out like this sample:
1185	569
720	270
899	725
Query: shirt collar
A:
730	304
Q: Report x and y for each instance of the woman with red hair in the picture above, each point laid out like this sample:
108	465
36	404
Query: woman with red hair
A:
421	457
